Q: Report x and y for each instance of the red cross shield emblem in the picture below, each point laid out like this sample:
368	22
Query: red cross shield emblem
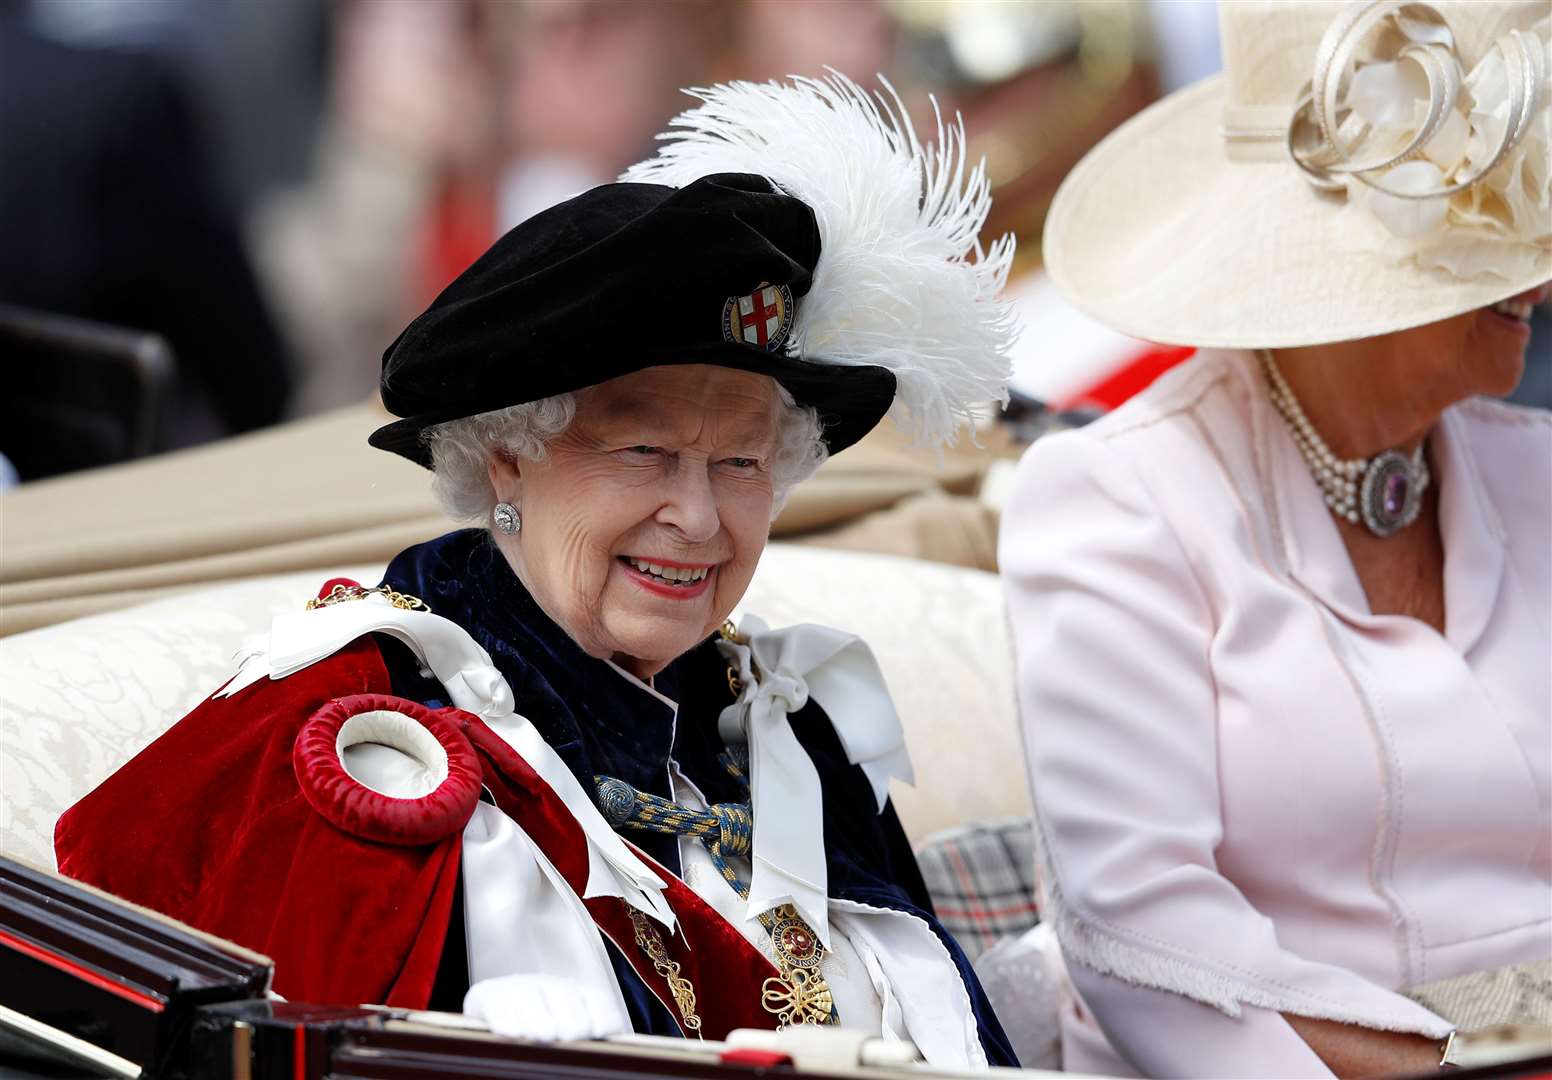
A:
762	318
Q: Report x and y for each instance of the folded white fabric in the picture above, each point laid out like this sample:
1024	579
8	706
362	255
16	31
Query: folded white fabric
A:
544	1007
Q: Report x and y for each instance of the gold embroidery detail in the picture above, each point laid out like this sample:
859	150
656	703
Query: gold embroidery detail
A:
651	943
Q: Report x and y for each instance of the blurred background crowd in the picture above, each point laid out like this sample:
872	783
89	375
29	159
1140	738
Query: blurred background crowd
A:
217	214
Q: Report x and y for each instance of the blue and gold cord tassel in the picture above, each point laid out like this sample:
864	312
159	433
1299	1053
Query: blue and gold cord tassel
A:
800	996
725	829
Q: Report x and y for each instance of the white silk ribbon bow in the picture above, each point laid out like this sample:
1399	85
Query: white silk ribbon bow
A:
473	684
780	670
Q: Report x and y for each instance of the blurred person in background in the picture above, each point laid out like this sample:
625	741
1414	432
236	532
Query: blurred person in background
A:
589	83
1282	621
1185	38
771	39
446	123
409	111
450	122
111	212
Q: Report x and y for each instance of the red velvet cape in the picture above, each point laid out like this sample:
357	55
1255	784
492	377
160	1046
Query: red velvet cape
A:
210	825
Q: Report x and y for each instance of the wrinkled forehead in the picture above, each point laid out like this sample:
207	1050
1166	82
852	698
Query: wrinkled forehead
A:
684	402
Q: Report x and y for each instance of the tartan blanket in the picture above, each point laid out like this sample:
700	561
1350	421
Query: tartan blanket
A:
982	880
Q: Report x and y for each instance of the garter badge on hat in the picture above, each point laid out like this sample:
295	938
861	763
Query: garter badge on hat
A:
762	318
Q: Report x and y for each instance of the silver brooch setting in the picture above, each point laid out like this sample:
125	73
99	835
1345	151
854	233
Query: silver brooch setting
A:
1392	491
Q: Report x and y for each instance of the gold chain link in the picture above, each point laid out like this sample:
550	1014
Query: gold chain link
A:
341	593
651	943
730	632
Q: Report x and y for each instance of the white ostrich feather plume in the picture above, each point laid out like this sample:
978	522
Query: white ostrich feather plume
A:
902	281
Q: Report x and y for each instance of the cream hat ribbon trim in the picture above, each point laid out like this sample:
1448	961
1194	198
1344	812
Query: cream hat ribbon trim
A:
1371	121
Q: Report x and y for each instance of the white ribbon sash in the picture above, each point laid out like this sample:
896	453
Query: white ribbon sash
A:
780	670
473	684
522	918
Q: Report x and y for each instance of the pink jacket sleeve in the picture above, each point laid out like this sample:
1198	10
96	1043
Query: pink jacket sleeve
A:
1165	1035
1113	634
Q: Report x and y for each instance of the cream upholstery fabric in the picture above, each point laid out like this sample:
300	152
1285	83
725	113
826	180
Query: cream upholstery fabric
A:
78	699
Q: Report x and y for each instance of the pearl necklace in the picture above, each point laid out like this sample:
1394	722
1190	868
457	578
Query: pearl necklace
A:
1384	493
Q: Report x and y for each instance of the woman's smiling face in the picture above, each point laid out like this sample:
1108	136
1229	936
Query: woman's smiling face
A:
642	526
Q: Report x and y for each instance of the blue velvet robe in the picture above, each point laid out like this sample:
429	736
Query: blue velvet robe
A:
600	724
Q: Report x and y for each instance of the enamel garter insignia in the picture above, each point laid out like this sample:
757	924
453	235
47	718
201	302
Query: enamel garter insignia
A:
762	318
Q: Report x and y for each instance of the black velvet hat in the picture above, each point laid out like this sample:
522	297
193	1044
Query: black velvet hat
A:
625	277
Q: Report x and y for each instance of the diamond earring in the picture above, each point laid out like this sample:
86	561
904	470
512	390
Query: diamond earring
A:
506	517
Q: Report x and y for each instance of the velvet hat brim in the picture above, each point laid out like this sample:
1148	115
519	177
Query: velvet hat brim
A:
621	278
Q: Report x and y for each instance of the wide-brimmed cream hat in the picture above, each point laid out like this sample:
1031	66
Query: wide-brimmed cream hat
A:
1416	183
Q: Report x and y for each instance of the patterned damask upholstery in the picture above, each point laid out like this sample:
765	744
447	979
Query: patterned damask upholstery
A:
79	699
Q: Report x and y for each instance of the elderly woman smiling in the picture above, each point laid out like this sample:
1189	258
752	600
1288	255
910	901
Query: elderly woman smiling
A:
533	775
644	502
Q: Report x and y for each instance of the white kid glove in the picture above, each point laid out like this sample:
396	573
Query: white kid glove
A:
544	1008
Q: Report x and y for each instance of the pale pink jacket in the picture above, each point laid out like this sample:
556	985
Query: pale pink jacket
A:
1251	792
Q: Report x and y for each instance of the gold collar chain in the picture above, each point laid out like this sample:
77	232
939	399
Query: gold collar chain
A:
650	942
341	593
799	995
730	632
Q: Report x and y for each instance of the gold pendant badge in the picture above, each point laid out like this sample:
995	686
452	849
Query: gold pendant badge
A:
800	996
762	318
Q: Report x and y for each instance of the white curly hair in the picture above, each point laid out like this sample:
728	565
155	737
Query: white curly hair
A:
461	449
